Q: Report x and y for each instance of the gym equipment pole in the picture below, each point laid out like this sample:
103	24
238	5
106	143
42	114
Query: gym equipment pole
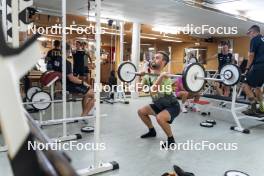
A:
15	26
97	77
135	55
4	18
121	42
64	57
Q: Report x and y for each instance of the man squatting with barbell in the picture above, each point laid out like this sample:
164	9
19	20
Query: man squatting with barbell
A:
73	84
255	71
165	105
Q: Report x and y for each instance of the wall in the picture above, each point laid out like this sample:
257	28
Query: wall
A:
241	46
178	54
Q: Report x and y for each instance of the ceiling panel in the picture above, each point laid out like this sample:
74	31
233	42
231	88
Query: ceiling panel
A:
155	12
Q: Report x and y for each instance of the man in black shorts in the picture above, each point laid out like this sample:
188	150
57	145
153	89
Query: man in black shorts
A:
165	105
75	85
225	57
255	71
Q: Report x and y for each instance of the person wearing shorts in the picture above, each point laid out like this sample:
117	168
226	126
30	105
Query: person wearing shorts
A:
184	95
165	105
254	72
76	86
223	58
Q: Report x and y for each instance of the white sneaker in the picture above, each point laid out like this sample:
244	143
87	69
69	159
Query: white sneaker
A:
195	108
184	110
186	104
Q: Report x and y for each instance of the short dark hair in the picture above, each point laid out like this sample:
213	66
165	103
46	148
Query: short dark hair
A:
223	43
56	43
78	42
255	28
165	55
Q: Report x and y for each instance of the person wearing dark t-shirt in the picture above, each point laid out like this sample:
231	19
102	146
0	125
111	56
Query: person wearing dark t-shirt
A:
255	71
223	58
78	61
86	58
75	85
53	54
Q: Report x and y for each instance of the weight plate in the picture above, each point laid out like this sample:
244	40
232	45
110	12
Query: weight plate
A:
87	129
230	74
31	91
126	72
190	82
211	121
235	173
41	100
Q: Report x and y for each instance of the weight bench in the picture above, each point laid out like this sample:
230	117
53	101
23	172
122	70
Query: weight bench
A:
229	99
236	110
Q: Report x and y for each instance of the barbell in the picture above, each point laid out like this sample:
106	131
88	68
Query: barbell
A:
194	75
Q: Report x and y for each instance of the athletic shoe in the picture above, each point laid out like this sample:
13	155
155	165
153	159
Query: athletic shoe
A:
85	121
261	107
223	104
187	104
252	111
260	111
195	108
184	110
180	172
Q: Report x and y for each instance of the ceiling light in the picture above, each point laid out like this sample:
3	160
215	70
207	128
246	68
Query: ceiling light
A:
151	49
146	37
42	39
169	40
145	44
166	29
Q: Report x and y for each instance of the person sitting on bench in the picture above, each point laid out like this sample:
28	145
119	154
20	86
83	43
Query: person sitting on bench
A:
184	95
75	85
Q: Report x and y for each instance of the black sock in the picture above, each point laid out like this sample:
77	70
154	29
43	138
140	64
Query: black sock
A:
151	133
171	140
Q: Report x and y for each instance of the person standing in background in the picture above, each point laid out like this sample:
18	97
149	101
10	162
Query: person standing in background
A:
78	61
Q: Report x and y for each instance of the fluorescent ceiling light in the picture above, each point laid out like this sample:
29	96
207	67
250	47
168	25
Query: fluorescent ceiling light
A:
166	29
151	49
146	37
42	39
145	44
169	40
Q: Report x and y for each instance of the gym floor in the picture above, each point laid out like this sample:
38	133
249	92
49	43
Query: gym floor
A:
121	130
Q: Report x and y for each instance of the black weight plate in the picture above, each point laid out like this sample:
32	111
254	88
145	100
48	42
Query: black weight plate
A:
122	72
